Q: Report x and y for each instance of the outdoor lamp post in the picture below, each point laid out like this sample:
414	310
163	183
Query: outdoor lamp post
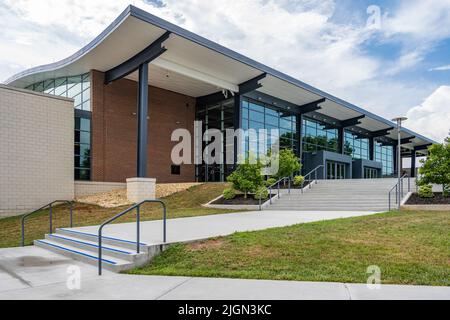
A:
399	121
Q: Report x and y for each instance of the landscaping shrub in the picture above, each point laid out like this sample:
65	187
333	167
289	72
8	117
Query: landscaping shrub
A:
288	164
261	193
229	194
436	168
247	177
426	191
271	182
298	180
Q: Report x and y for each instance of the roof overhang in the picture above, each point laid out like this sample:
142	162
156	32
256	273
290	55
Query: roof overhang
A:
198	67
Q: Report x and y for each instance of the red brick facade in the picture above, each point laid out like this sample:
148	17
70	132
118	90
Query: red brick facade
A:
114	130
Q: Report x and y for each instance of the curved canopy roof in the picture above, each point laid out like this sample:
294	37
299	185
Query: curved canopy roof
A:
196	66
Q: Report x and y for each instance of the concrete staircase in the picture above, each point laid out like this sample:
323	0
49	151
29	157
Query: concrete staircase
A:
117	254
340	195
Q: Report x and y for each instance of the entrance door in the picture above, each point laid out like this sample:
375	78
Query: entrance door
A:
335	170
370	173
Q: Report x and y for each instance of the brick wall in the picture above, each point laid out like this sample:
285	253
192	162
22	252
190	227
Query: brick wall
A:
114	130
36	150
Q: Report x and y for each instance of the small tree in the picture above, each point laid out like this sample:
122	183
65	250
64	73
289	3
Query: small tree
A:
436	168
288	164
247	177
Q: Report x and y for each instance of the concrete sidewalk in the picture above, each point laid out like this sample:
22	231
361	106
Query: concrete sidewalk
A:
203	227
33	273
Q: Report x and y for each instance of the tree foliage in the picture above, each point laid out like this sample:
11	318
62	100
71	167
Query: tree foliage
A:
288	164
436	168
247	177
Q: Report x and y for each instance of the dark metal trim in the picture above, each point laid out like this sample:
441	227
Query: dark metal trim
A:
352	122
252	84
150	53
142	116
211	99
83	114
380	133
407	140
423	147
310	107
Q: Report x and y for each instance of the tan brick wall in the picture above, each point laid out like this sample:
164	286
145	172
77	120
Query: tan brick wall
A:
114	130
36	150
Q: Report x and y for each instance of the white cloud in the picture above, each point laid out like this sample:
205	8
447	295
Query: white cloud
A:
297	37
442	68
432	117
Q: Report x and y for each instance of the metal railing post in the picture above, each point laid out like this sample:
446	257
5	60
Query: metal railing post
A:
389	200
260	208
289	185
270	194
278	189
138	229
23	232
50	215
100	251
164	222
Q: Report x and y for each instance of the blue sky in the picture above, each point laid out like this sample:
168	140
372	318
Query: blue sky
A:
394	63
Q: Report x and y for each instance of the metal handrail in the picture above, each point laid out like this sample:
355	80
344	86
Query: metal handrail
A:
138	233
399	190
50	215
278	187
310	174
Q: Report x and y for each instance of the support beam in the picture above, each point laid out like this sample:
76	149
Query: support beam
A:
252	84
407	140
413	163
345	123
142	115
352	122
211	99
423	147
381	133
371	148
310	107
147	55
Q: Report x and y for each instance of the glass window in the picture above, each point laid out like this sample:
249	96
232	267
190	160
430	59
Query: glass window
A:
77	88
384	154
316	138
356	147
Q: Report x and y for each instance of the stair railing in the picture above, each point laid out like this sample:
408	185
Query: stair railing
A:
138	229
309	176
50	217
399	190
277	184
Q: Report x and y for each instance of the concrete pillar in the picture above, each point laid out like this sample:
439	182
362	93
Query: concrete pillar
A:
140	189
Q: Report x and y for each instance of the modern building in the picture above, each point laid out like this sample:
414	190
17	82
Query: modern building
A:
144	77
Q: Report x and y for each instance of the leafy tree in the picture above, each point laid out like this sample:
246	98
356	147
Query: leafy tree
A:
436	168
288	164
247	176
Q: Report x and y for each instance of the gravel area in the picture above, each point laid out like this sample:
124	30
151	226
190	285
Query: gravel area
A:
118	198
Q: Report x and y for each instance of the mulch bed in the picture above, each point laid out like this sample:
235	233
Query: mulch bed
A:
241	200
438	199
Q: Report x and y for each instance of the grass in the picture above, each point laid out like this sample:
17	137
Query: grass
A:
410	248
182	204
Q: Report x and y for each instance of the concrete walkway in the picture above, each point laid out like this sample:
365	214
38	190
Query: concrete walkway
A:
203	227
33	273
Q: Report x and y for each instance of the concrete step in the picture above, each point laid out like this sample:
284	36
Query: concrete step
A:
92	246
126	244
108	262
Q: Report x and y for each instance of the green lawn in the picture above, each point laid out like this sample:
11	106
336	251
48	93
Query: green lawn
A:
183	204
410	248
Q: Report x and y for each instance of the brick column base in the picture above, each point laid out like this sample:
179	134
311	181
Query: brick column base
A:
140	189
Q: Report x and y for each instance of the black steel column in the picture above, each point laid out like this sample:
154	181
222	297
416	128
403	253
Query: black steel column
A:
237	123
142	116
299	128
371	148
413	163
341	137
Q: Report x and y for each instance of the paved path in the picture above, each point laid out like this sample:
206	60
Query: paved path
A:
203	227
34	273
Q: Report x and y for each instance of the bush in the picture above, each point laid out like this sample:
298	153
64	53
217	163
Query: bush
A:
288	163
298	180
270	182
247	177
229	194
426	191
261	193
436	168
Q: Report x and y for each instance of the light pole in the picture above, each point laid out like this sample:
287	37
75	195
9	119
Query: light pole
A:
399	121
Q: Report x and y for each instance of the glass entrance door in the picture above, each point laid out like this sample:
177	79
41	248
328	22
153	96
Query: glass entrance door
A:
335	170
370	173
